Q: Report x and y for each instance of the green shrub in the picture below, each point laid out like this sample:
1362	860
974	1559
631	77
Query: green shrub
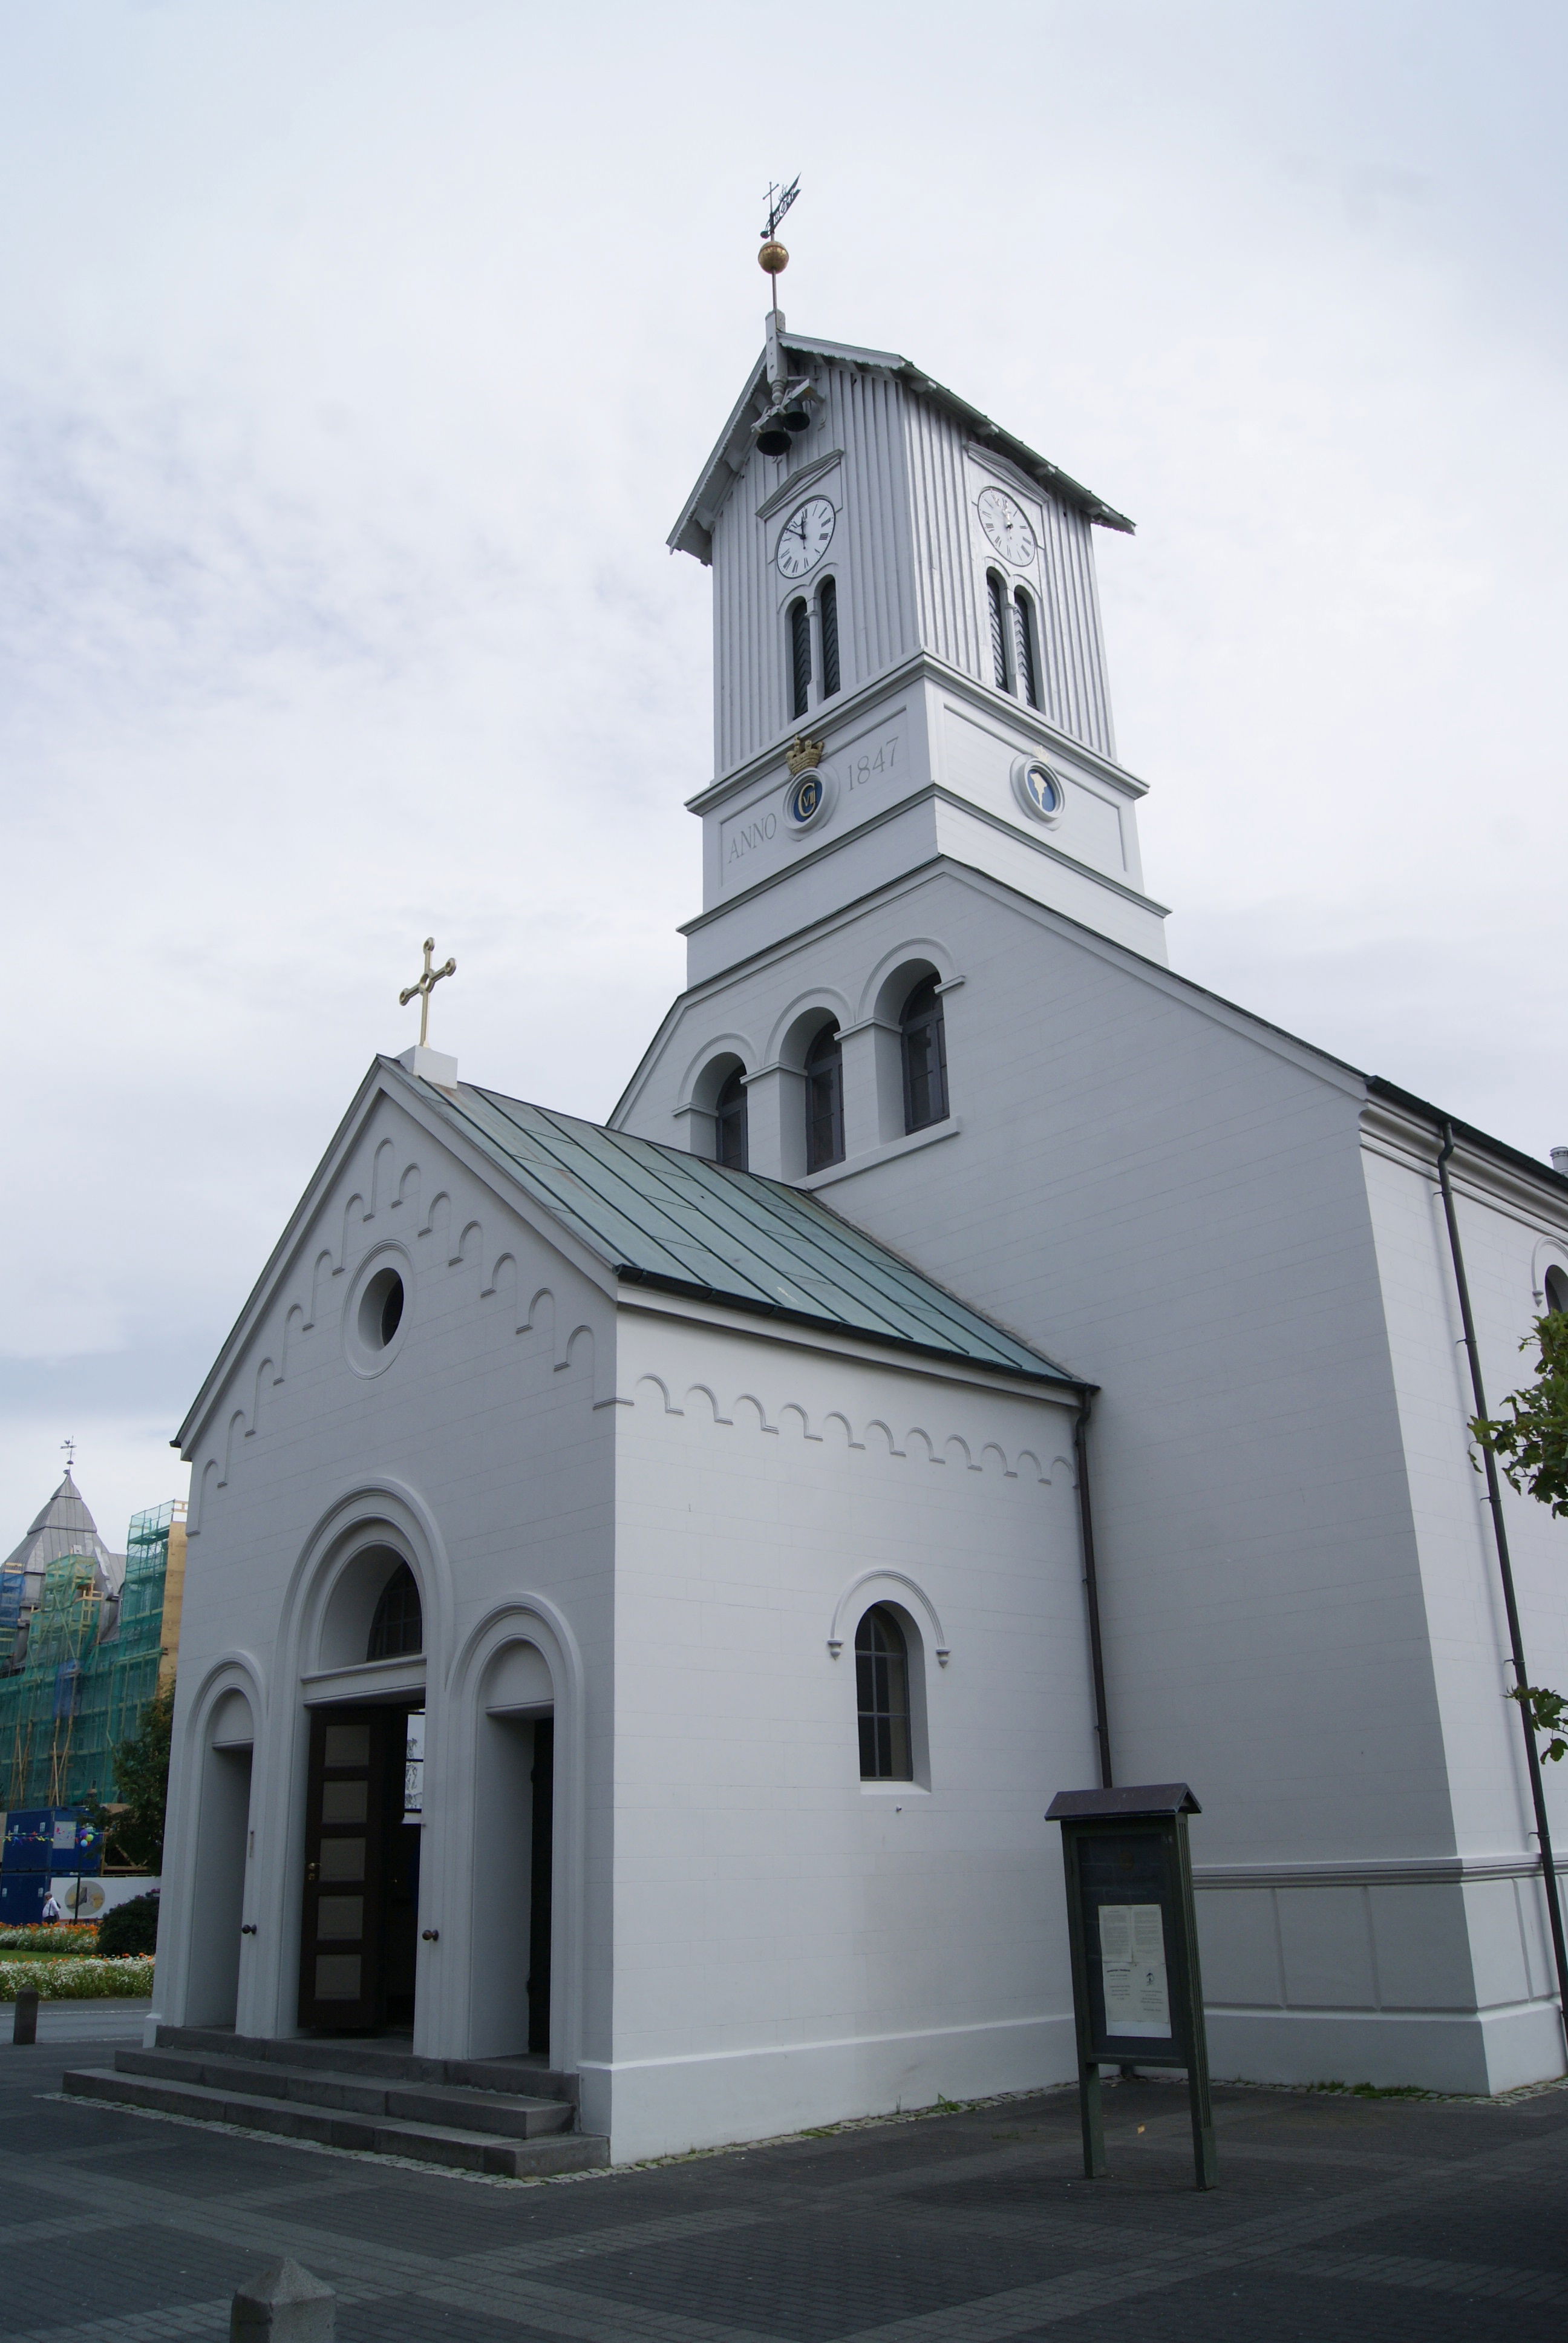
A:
130	1927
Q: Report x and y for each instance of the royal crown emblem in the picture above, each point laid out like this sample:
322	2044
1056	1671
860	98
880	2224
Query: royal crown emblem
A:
802	756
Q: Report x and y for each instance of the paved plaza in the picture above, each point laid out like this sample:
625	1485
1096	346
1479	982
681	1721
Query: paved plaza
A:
1401	2220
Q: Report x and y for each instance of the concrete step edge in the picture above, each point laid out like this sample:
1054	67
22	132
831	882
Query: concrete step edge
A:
284	2118
491	2111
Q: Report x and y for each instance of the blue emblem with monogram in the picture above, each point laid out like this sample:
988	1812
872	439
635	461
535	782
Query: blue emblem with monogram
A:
1041	788
804	801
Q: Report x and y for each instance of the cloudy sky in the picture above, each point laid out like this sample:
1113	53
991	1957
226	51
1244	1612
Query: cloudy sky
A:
353	362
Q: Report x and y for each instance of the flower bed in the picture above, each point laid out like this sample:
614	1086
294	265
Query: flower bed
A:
64	1936
88	1978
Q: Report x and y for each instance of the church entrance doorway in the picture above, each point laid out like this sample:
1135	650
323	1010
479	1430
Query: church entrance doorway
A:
360	1919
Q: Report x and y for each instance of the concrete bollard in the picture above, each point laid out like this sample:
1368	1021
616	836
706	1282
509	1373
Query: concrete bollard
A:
24	2025
283	2304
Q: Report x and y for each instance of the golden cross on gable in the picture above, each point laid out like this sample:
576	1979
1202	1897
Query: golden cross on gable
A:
423	988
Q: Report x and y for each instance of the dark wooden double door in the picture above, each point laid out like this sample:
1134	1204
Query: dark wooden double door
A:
359	1928
360	1924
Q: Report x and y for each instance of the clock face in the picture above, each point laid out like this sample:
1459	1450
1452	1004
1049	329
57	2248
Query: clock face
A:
1007	526
806	536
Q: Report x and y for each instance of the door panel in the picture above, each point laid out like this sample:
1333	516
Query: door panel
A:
541	1871
340	1946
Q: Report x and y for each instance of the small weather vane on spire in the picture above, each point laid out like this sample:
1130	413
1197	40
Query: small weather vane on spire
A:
68	1449
773	255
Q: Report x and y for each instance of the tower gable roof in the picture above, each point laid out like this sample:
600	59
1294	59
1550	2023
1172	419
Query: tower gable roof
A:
693	532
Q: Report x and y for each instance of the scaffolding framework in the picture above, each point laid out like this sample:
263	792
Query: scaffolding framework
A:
86	1678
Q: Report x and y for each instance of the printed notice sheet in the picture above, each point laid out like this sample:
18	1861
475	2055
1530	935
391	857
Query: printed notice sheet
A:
1132	1964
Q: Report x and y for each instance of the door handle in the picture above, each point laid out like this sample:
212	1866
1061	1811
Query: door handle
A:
248	1928
309	1872
430	1936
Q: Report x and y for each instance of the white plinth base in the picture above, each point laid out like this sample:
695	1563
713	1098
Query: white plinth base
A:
1479	2051
431	1066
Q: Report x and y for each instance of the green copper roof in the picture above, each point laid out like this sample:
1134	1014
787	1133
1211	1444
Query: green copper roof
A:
661	1217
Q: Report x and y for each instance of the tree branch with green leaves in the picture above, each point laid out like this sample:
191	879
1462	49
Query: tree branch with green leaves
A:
1529	1441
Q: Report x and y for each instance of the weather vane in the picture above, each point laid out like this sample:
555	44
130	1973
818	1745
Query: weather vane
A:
424	987
773	255
68	1449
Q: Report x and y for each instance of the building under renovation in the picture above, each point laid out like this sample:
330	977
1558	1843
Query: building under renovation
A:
86	1638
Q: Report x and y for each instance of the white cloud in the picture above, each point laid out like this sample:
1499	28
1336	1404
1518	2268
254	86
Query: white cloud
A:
356	360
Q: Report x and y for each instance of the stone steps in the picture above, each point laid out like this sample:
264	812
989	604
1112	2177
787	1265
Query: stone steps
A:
468	2115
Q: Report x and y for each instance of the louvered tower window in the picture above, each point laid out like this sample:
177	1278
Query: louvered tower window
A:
799	658
1027	659
824	1100
997	593
827	618
729	1122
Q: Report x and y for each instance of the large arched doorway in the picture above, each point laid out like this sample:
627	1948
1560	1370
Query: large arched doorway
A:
358	1954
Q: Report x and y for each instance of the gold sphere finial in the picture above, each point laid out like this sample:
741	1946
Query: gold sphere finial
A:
773	257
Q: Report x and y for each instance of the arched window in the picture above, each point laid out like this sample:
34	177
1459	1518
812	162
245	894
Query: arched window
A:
1026	661
996	594
1556	1284
925	1051
399	1627
799	658
827	620
882	1691
824	1100
729	1121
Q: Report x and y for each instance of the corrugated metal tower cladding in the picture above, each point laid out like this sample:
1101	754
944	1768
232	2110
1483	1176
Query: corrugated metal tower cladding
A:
90	1666
906	488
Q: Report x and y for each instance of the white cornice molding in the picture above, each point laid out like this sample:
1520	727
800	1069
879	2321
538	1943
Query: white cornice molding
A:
920	667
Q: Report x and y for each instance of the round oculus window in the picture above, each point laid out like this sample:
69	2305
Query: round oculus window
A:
1037	789
381	1309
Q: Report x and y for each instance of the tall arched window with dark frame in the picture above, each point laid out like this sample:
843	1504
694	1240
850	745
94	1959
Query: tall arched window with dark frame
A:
922	1033
824	1072
882	1697
730	1134
398	1629
1555	1289
800	646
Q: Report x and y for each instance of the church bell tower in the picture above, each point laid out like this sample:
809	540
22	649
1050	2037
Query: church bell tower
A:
907	659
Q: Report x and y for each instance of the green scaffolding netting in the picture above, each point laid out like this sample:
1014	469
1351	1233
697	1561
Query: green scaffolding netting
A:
85	1680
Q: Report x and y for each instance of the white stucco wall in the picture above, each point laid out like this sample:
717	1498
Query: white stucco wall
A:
1170	1198
479	1452
793	1945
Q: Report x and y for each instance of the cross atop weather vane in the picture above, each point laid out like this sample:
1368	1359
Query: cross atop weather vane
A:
68	1448
773	255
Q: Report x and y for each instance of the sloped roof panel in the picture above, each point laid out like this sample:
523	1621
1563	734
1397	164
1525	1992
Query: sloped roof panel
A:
658	1215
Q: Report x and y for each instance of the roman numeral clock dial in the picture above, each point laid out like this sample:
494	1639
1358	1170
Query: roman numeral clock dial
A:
1007	526
805	538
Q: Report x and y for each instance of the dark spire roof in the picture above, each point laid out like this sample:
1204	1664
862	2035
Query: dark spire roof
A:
62	1526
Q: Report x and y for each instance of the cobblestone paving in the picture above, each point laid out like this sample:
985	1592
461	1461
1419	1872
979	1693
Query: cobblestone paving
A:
1406	2222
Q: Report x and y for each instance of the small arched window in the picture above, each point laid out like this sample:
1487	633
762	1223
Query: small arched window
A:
925	1051
1556	1282
882	1691
996	596
1026	661
729	1121
799	658
828	623
399	1627
824	1100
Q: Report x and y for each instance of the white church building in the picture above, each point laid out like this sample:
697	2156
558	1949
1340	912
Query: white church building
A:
646	1582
